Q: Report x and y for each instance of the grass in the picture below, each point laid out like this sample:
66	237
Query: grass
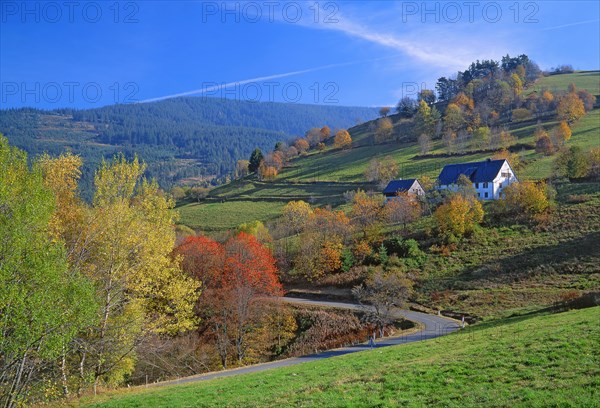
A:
227	215
588	80
513	266
322	177
531	360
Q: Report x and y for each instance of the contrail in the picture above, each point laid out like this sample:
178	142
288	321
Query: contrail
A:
570	25
258	79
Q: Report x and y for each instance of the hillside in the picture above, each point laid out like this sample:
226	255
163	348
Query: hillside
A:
194	138
322	177
537	359
505	265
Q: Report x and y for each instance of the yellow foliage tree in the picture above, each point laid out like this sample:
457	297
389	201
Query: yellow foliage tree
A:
295	215
563	132
459	216
123	245
342	139
524	199
570	108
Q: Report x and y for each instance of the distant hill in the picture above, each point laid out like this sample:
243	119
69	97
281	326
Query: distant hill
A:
192	137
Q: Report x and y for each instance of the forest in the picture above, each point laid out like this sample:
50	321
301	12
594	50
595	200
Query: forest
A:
198	139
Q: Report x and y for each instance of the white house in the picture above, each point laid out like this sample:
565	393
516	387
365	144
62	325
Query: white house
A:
489	177
410	186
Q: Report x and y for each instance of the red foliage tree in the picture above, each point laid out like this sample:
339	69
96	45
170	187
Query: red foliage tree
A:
234	275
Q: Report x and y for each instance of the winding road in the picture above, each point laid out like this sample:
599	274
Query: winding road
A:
432	326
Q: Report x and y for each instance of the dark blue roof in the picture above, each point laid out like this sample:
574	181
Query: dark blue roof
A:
477	172
395	186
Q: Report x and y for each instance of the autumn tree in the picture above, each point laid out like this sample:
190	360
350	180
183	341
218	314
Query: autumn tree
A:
516	84
367	214
235	275
465	187
524	199
43	302
321	243
295	216
453	118
587	98
545	102
403	209
266	172
381	170
126	251
342	139
242	168
302	145
384	130
258	230
562	133
380	295
459	216
570	108
449	140
325	133
512	158
249	273
313	136
203	259
543	143
426	119
384	111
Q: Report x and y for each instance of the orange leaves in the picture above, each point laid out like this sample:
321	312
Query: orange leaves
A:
570	108
331	256
202	258
250	265
342	139
302	145
563	132
242	262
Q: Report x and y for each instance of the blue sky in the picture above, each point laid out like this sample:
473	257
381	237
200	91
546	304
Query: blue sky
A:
90	54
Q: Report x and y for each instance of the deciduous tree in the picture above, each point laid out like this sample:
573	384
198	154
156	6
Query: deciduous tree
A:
342	139
380	294
458	216
570	108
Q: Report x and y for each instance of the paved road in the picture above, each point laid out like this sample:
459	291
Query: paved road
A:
433	326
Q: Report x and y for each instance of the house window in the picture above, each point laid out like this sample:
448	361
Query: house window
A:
486	195
485	185
478	195
476	185
506	174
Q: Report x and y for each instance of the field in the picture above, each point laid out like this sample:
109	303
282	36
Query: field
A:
538	359
221	216
322	177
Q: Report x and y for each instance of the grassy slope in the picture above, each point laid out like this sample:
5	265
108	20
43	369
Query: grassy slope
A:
535	360
321	177
509	267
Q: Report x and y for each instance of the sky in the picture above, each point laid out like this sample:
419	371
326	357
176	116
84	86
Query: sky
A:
86	54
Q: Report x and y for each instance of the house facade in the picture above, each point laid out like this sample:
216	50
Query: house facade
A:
489	177
410	186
